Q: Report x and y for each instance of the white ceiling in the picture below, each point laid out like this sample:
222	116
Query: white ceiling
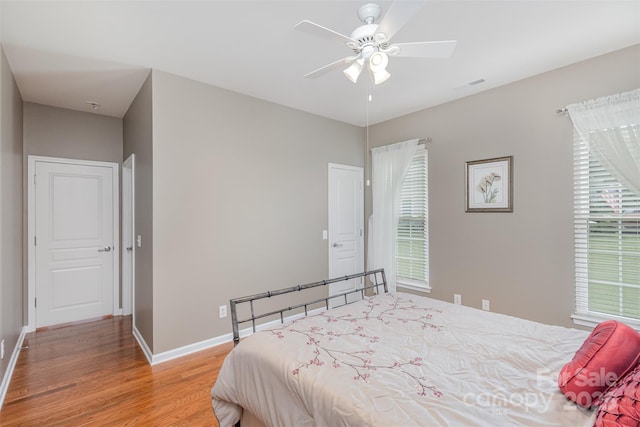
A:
67	53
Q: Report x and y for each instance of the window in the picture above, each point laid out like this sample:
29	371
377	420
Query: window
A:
607	240
412	246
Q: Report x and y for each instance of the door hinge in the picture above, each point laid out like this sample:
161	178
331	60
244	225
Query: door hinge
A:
35	241
361	232
34	179
35	302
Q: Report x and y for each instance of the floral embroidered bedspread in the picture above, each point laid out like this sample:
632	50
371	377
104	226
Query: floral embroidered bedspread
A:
401	360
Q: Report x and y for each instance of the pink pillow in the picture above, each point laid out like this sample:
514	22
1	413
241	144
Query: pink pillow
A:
619	404
609	352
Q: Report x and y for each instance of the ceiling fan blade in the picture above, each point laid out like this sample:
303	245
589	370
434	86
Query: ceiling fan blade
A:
320	31
399	13
437	49
330	67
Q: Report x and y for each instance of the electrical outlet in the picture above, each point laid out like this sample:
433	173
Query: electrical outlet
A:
2	349
222	311
485	305
457	299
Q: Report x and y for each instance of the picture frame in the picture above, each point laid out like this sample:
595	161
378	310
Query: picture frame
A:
489	185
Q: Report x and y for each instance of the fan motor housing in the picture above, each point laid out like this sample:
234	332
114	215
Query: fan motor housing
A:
367	35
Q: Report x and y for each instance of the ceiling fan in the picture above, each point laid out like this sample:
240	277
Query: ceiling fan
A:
371	42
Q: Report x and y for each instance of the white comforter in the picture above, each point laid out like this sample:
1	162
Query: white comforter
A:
401	360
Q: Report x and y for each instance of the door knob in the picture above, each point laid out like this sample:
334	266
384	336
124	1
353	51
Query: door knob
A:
337	245
105	249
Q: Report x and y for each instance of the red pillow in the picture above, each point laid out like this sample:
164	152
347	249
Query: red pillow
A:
619	404
609	352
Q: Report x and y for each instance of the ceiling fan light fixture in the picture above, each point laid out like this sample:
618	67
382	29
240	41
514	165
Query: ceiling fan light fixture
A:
378	61
380	76
353	71
377	64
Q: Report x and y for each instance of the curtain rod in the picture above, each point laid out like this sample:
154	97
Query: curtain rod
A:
421	141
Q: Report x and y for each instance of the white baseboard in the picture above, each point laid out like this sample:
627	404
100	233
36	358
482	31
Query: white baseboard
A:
189	349
6	380
143	345
212	342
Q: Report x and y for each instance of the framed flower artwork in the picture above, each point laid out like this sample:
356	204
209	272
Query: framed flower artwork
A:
489	185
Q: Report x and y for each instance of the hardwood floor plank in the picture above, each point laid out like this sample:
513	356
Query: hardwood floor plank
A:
94	373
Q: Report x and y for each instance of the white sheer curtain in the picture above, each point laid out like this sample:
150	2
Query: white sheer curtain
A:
611	126
390	164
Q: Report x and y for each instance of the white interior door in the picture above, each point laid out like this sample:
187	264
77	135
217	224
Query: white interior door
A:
75	241
346	217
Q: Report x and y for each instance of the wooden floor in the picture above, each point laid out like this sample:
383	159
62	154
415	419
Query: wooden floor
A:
95	374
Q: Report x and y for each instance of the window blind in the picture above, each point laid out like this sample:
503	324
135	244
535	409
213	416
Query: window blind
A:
607	241
412	250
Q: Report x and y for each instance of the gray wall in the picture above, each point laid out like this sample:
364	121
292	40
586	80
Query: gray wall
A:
239	201
11	244
57	132
521	261
138	139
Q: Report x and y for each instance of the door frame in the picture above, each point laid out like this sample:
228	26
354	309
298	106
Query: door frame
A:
128	223
31	228
360	170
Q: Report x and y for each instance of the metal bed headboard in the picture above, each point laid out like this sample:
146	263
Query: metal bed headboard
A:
377	279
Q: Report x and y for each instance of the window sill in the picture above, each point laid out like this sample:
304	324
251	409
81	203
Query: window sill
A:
412	287
592	320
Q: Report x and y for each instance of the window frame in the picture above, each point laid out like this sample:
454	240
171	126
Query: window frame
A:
587	218
412	283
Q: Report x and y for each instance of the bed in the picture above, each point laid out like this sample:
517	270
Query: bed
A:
395	359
